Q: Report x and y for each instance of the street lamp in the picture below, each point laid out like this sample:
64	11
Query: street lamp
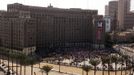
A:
84	65
59	62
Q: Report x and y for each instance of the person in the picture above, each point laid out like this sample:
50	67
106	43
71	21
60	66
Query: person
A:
34	73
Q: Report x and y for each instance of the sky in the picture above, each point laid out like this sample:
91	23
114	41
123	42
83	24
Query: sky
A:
84	4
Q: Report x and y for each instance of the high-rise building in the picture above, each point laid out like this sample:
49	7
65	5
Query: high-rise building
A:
110	15
123	10
113	8
106	10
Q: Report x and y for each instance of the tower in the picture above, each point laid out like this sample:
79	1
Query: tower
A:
123	9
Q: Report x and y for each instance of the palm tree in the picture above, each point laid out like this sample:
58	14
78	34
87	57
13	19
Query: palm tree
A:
108	62
31	62
86	68
94	62
104	61
17	62
47	69
42	71
133	67
20	69
21	61
25	63
8	73
126	57
114	59
59	62
121	60
130	64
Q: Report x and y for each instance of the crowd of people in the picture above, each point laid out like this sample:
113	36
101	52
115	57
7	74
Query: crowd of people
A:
75	56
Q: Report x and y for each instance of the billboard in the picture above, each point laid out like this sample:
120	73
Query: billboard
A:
99	29
107	24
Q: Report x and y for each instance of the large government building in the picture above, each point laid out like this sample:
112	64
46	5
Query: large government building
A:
27	28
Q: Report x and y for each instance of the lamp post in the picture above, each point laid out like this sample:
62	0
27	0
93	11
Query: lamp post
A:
133	65
84	65
59	62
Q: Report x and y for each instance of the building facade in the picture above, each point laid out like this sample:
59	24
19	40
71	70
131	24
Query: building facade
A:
107	23
98	32
106	10
129	21
30	27
121	16
123	10
113	8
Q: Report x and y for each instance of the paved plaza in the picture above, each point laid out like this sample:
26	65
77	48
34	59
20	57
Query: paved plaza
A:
65	70
1	73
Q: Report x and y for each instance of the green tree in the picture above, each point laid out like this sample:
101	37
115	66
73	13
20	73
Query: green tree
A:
108	41
47	69
21	58
86	68
121	60
104	61
126	58
115	59
94	62
108	61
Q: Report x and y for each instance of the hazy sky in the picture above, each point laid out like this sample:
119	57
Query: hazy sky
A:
85	4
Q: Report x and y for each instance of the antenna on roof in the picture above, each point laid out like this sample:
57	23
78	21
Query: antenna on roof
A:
50	6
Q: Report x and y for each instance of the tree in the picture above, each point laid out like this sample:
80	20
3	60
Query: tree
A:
21	61
108	41
31	62
126	57
104	61
121	60
94	62
86	68
114	59
25	63
59	62
131	40
108	61
47	69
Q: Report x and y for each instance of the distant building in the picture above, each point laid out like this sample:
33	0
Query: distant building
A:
123	10
27	28
107	23
99	31
129	21
110	11
121	16
124	37
113	8
106	10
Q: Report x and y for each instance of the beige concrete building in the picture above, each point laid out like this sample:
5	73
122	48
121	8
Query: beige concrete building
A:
113	8
111	11
123	10
129	21
107	10
27	28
